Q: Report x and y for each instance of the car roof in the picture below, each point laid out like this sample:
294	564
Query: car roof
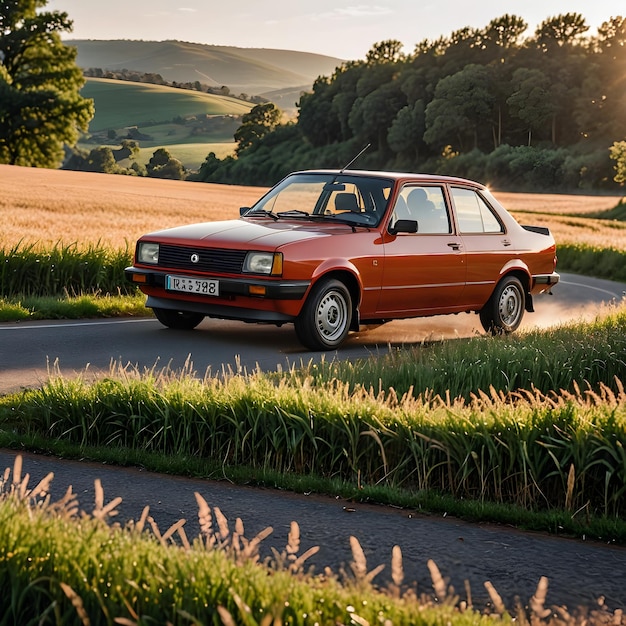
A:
397	176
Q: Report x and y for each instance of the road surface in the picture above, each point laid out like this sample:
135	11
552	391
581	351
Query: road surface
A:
580	573
29	349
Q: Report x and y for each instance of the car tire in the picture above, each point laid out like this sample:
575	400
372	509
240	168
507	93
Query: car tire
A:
505	308
325	319
178	320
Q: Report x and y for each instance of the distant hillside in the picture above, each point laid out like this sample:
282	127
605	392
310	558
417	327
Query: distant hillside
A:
122	103
254	71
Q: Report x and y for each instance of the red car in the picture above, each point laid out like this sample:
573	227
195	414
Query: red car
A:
330	250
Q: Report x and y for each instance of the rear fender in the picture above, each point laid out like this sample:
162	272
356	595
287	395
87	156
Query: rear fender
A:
518	268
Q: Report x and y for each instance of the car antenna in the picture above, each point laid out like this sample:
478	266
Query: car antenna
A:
345	167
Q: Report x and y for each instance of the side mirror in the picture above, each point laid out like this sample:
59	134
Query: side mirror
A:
243	210
403	226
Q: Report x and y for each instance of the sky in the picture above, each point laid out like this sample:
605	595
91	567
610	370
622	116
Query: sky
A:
345	30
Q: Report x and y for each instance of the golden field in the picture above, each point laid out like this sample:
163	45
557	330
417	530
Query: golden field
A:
50	206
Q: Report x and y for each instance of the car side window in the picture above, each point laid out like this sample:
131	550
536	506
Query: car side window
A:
426	206
473	214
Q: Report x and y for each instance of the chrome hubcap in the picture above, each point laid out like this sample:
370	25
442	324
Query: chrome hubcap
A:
510	307
331	315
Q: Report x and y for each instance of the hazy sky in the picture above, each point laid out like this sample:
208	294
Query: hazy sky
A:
346	30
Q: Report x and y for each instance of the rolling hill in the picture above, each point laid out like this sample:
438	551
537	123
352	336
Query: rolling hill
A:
190	124
278	75
254	71
120	104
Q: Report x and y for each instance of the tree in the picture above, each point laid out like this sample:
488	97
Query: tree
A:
560	31
262	119
163	165
389	51
41	108
618	154
101	160
532	100
406	131
463	104
504	32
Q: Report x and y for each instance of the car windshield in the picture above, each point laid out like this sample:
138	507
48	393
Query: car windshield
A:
345	198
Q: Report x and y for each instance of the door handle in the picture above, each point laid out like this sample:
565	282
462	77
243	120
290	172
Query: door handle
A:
455	245
506	242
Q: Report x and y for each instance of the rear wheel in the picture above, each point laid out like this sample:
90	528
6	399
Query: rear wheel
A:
326	316
504	311
179	320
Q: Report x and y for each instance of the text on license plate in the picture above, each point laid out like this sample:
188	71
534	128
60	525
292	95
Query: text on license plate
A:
193	285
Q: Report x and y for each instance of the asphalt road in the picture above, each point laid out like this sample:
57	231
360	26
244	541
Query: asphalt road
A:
29	349
580	573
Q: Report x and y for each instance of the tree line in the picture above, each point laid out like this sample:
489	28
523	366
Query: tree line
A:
544	112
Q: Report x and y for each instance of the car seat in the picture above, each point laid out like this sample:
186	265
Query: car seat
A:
346	202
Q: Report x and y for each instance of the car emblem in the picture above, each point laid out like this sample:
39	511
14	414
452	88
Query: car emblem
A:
195	258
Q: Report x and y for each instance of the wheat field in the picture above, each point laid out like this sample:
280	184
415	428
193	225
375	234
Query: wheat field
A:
45	207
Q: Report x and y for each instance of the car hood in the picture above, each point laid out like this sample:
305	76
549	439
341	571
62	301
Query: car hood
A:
243	233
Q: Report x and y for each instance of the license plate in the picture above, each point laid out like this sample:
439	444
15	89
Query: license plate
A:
193	285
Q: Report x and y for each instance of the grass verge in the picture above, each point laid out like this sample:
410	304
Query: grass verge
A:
72	307
493	450
63	566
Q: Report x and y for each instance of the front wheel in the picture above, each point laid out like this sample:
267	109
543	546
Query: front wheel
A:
178	320
326	316
504	310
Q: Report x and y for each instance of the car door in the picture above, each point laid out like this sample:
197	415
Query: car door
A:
487	246
424	271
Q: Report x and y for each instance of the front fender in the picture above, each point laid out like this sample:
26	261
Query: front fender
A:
337	265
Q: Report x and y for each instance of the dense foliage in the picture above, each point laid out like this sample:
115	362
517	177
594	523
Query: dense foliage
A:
41	108
534	113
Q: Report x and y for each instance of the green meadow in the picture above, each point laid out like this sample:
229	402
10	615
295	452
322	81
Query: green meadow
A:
120	104
190	124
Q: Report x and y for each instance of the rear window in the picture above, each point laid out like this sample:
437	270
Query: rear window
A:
473	214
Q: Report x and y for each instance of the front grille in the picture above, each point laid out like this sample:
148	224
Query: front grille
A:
209	259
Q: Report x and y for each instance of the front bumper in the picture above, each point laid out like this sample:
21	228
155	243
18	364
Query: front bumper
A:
248	299
271	289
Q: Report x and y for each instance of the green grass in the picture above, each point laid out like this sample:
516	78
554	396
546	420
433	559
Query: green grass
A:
59	567
487	444
120	104
191	155
73	307
26	270
607	263
617	213
153	109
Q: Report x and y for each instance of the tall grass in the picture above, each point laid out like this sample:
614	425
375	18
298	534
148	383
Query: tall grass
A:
536	449
601	262
60	565
27	270
558	358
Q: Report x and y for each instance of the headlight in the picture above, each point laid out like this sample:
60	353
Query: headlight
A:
148	252
263	263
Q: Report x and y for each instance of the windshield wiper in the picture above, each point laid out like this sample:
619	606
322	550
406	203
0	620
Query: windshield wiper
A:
253	212
294	212
332	217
